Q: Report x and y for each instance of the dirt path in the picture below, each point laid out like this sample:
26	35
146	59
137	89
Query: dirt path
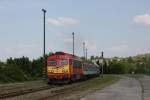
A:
146	86
125	89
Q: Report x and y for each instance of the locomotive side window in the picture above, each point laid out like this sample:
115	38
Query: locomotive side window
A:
70	62
64	62
77	63
52	63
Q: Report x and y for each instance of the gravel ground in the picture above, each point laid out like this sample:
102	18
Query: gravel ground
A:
125	89
7	88
41	94
64	92
33	96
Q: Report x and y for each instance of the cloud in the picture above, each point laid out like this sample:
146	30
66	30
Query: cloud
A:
119	48
142	19
63	21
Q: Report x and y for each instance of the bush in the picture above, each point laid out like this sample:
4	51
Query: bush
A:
119	68
11	73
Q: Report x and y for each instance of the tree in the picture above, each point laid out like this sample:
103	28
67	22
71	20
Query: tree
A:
130	60
92	58
37	67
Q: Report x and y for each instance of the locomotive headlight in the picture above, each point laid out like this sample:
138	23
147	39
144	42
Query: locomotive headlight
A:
52	71
63	70
66	70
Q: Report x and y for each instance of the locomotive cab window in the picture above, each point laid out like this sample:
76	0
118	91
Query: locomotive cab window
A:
52	63
64	62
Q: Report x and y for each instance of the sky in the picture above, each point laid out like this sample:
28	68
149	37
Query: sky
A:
117	27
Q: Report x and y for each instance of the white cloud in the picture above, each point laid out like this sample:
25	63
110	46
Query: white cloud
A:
142	19
119	48
63	21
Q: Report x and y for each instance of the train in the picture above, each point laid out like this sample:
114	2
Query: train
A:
66	68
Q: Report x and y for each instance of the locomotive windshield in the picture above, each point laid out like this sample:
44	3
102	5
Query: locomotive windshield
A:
58	62
52	63
64	62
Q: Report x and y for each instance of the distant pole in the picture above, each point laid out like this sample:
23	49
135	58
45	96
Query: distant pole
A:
102	55
44	59
84	50
147	64
73	42
86	53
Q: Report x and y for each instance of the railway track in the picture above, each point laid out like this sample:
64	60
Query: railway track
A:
8	91
58	92
35	91
16	91
52	92
38	93
22	92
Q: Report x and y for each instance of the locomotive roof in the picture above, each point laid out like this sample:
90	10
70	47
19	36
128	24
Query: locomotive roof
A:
63	55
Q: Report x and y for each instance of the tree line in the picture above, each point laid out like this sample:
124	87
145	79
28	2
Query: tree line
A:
139	64
24	69
20	69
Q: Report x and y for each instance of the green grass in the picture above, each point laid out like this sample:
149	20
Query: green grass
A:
87	86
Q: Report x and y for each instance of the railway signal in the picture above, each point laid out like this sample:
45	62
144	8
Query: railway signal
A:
44	59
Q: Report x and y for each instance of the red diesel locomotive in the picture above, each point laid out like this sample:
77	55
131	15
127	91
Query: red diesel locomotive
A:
63	68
